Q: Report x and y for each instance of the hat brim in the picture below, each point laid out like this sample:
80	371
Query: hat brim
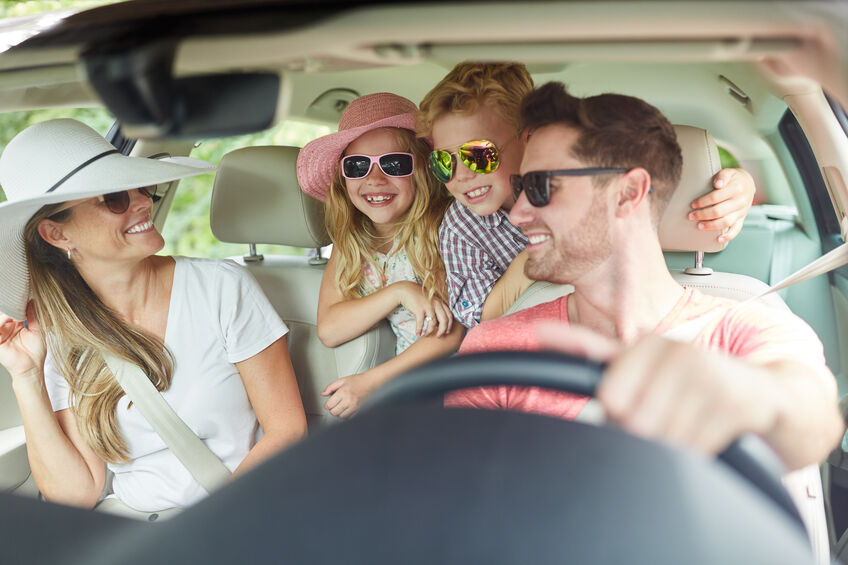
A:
317	161
112	173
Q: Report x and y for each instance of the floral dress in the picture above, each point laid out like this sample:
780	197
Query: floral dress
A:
396	267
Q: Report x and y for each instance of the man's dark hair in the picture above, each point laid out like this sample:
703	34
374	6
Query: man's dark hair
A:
615	131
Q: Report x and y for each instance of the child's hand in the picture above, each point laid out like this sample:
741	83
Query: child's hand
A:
725	207
443	317
432	317
347	393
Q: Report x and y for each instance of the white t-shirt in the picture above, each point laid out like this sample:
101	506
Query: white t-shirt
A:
218	316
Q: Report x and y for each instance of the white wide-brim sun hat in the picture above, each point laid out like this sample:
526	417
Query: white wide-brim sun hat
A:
57	161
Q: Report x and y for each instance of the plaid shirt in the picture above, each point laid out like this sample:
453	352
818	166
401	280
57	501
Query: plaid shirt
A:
476	251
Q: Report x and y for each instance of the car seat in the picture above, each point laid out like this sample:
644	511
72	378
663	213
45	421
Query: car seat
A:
256	199
677	233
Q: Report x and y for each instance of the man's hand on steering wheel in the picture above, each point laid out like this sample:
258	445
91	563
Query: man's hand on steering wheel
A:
671	391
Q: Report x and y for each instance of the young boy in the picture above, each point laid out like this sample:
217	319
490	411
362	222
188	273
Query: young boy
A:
472	117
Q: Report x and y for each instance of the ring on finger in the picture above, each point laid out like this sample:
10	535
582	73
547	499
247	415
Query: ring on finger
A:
427	320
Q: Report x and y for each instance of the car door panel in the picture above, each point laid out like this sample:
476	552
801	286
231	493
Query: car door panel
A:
840	305
14	467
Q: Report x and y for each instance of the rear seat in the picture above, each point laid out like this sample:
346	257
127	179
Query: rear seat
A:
771	246
256	199
767	230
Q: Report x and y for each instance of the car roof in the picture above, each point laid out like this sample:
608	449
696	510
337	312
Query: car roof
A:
782	40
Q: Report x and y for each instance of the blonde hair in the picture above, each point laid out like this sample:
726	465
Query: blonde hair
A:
78	327
417	232
499	86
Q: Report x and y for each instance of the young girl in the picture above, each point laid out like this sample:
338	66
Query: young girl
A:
383	214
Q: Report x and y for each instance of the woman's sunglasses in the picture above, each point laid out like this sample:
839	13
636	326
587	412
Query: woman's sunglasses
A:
119	202
537	184
392	164
481	156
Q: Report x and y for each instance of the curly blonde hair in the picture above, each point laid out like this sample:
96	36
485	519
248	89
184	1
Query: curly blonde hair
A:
417	231
499	86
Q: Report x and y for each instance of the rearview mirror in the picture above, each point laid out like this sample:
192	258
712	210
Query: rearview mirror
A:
137	85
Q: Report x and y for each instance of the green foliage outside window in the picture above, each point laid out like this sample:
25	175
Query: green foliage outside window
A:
16	8
727	159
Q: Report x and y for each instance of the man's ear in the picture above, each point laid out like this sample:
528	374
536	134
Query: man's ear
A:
633	187
54	234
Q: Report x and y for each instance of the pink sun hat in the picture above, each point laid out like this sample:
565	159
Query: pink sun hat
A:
318	160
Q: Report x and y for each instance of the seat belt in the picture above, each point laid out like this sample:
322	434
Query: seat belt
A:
206	468
831	260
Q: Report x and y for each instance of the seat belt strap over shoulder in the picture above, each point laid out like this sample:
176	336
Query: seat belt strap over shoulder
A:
831	260
206	468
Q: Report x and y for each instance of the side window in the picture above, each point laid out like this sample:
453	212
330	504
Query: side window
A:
728	160
187	230
14	122
792	134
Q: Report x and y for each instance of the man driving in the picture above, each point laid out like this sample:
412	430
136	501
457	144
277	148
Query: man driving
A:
596	175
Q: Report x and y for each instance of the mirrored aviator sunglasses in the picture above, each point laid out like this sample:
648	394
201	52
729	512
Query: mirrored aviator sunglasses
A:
392	164
481	156
537	184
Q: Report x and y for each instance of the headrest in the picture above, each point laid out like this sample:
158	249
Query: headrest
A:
700	164
256	199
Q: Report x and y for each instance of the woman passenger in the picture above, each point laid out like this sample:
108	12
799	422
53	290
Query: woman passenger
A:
78	238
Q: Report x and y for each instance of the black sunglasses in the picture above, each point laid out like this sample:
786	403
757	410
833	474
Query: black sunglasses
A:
537	184
118	202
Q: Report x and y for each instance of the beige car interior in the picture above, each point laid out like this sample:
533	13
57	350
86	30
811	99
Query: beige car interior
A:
734	77
256	199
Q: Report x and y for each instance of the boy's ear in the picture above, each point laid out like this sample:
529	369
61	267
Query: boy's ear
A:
633	187
54	234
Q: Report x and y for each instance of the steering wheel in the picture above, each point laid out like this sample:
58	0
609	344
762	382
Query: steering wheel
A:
749	456
422	484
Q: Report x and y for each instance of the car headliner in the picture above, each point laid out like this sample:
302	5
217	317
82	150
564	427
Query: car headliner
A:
781	39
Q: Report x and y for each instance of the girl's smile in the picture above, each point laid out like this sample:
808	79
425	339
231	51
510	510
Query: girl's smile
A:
379	198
